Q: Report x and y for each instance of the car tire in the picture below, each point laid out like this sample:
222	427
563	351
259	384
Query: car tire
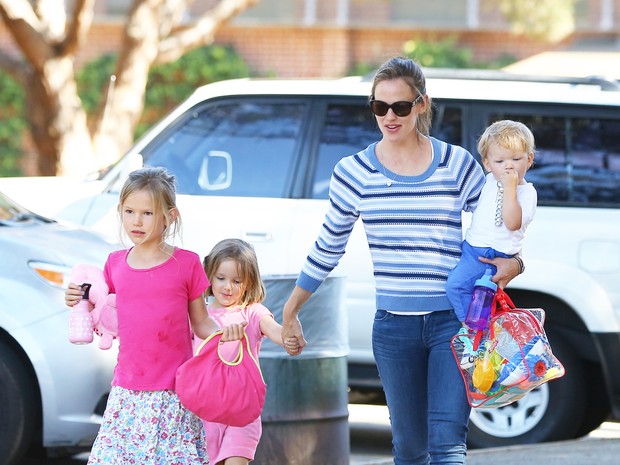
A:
18	407
552	412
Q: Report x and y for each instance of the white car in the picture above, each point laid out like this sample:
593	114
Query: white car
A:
253	159
51	391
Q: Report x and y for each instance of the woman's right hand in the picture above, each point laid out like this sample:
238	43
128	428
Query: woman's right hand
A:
291	326
73	294
292	331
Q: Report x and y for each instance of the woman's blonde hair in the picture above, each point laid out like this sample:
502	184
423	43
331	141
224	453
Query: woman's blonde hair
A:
410	72
160	184
253	289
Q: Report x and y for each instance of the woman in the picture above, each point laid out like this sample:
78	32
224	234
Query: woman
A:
409	189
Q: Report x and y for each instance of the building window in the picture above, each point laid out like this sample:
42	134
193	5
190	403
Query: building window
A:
436	13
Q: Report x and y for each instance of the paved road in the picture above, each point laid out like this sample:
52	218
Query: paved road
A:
371	445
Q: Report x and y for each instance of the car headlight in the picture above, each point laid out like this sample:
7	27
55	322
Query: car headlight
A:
51	273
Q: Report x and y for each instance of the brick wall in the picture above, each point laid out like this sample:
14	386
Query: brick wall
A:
330	52
286	51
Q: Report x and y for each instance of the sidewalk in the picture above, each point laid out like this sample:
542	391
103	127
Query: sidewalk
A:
578	452
601	447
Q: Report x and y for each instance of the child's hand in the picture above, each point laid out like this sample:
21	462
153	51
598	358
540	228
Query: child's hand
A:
73	294
509	180
233	332
291	344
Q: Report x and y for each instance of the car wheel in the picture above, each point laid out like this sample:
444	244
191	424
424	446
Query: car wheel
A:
552	412
18	407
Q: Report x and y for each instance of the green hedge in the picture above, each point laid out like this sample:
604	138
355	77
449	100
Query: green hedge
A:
168	84
12	125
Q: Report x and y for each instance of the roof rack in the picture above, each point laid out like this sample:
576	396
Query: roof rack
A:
604	83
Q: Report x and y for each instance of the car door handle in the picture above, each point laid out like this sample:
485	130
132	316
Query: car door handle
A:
252	236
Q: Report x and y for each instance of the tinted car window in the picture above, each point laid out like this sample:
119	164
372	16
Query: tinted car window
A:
577	160
234	148
348	128
448	124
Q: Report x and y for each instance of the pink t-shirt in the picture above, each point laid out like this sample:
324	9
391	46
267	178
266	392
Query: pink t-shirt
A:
252	314
153	317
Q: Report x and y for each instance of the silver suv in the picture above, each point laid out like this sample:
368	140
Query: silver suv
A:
255	158
51	392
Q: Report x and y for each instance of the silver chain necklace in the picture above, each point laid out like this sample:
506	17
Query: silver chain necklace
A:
499	204
389	181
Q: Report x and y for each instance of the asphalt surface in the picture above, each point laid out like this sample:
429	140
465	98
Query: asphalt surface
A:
579	452
370	445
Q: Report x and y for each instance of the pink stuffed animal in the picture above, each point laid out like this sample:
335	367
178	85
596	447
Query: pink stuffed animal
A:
106	322
104	314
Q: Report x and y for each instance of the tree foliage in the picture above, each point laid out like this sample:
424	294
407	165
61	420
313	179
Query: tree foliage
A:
446	53
439	53
168	84
12	125
550	20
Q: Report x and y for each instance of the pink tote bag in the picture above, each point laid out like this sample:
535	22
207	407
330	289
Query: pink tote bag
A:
222	391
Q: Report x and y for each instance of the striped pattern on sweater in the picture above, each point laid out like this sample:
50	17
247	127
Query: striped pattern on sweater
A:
413	226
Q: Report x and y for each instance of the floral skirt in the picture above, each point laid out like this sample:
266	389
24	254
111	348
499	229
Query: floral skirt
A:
148	428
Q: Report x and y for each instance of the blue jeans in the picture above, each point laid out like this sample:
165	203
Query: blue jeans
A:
424	390
463	277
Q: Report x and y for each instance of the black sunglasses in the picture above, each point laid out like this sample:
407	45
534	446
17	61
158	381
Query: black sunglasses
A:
402	108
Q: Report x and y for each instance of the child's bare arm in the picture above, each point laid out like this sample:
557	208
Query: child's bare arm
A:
512	214
203	325
273	330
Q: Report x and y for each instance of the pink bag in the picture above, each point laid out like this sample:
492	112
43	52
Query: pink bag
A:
221	391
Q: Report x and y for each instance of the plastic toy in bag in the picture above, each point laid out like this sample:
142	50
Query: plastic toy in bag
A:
502	364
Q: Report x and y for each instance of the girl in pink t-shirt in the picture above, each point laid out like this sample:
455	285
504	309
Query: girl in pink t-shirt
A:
236	292
159	294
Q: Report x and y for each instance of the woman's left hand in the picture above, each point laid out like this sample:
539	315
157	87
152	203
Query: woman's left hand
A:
507	269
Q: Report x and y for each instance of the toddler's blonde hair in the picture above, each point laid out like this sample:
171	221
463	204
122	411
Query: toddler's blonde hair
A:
508	134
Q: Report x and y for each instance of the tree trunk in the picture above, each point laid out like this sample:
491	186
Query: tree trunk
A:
58	121
123	106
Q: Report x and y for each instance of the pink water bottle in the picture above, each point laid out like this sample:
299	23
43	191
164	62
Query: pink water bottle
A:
80	319
481	302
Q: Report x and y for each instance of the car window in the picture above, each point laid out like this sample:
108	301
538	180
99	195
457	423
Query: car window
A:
448	123
235	148
351	127
577	159
347	129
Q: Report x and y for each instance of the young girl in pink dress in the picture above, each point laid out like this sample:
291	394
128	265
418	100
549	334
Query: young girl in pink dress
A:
159	292
236	293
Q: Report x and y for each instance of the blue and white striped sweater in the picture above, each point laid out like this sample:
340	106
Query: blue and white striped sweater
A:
413	226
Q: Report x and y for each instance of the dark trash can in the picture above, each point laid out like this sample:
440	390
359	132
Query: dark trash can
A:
305	419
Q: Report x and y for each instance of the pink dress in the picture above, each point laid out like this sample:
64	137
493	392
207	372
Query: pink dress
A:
225	441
